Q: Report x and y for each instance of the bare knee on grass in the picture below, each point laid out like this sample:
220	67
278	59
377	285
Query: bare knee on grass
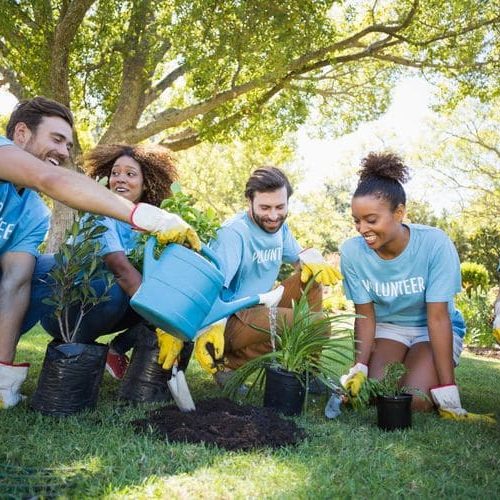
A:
385	351
421	374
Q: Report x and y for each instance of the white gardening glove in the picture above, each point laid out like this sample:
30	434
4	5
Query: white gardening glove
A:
313	264
12	377
272	298
167	227
447	400
354	378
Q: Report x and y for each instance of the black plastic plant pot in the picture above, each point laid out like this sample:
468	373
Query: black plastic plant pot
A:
283	391
70	378
145	381
394	412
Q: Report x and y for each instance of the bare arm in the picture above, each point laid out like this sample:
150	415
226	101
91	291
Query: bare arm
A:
125	273
441	337
364	332
71	188
15	286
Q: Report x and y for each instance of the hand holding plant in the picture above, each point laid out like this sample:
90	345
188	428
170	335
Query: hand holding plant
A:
388	385
204	223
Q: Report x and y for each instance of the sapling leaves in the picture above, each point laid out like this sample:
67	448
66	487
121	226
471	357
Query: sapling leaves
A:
389	386
77	265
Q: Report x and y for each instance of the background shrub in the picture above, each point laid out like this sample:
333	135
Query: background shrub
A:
474	277
477	309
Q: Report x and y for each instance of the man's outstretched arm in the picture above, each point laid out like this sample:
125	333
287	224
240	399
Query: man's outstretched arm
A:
83	193
71	188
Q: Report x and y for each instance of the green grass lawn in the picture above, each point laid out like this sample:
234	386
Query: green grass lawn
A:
97	454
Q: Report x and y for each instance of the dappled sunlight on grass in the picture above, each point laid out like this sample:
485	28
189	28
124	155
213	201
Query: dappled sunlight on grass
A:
98	453
242	474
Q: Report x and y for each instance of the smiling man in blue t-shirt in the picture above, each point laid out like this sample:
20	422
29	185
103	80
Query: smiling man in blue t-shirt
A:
251	248
43	128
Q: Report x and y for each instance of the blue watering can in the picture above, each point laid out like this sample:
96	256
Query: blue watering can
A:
180	291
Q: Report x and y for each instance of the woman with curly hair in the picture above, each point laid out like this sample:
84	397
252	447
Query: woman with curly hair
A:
402	279
141	173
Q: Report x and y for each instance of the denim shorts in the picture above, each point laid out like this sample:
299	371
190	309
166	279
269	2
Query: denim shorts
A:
411	335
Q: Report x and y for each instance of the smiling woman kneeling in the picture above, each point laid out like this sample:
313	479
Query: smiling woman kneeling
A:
402	279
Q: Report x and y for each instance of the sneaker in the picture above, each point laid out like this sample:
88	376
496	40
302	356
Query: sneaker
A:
116	364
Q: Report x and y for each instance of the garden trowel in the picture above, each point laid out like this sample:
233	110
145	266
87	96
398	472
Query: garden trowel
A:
177	382
180	390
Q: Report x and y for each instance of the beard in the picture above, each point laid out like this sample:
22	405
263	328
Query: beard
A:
33	148
262	221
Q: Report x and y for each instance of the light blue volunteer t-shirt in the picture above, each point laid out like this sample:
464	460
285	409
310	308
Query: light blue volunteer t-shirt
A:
120	237
428	270
251	257
24	217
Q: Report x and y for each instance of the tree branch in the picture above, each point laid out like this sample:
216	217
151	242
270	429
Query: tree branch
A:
164	84
450	34
181	143
65	32
478	141
15	88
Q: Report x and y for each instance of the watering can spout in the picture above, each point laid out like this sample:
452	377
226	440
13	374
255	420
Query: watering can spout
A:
222	309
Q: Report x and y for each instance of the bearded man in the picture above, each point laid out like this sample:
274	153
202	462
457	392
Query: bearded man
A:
251	246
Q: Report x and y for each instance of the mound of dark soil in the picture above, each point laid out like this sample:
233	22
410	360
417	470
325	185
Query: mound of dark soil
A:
223	423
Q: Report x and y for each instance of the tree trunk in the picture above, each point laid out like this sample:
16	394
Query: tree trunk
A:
62	217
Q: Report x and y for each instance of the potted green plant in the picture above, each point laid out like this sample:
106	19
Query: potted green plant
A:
312	345
392	399
72	372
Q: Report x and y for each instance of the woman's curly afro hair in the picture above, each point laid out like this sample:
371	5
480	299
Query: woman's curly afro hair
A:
157	165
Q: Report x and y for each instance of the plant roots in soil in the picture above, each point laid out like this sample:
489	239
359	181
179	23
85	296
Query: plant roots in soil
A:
224	423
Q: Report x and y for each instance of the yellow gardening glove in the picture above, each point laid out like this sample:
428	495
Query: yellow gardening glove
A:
182	235
170	348
209	347
313	264
451	414
447	400
496	334
325	274
355	378
353	386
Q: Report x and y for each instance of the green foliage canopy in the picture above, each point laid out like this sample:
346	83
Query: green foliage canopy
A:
183	72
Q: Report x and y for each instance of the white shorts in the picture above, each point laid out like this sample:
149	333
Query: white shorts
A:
411	335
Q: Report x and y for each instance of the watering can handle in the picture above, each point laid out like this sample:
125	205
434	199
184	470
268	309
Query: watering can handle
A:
209	253
149	255
149	248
